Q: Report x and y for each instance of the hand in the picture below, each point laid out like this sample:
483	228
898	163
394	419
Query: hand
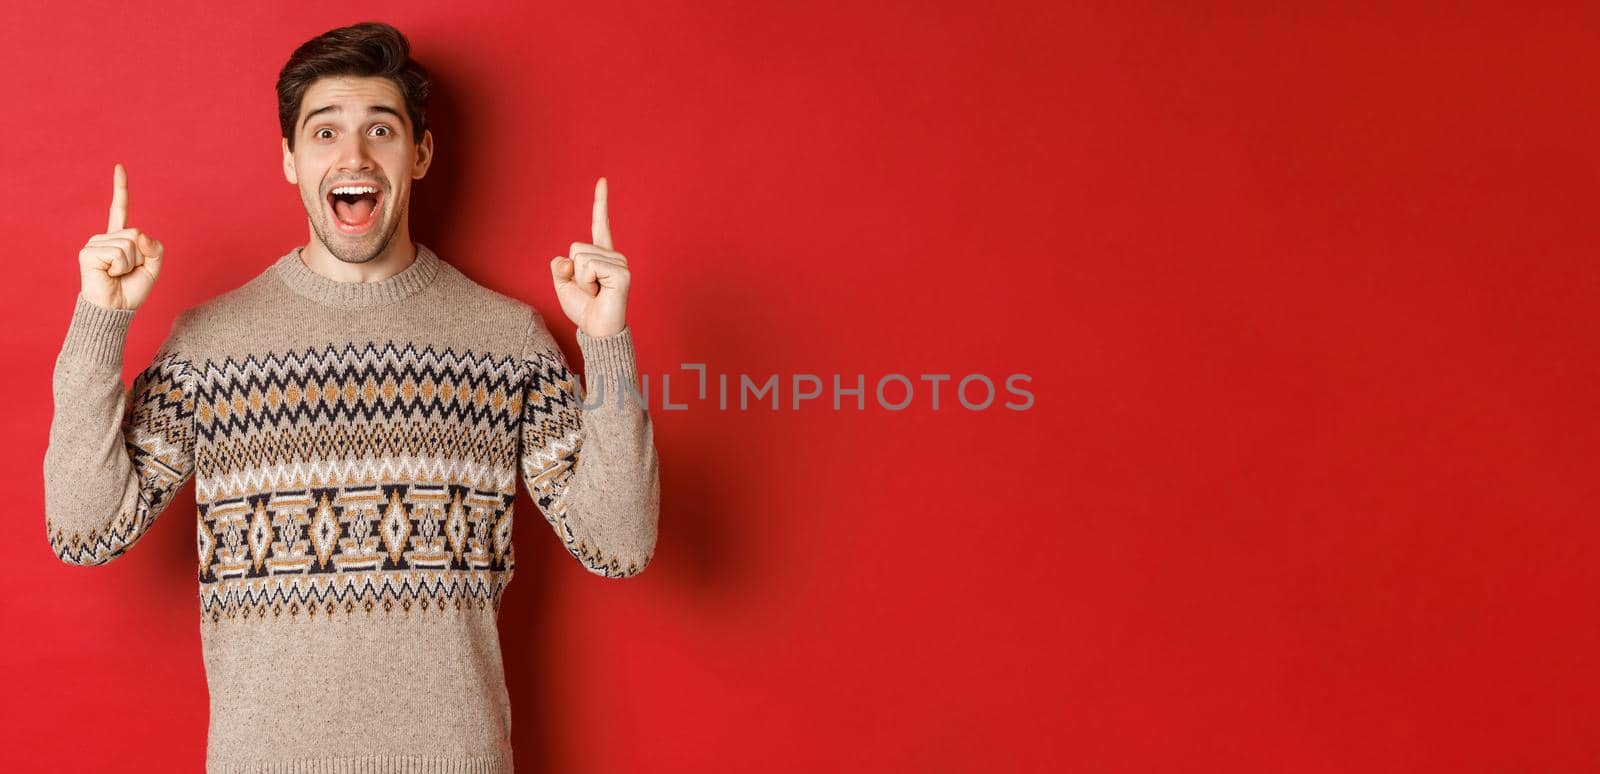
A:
592	284
119	267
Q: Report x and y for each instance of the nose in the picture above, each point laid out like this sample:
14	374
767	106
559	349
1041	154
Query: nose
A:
354	155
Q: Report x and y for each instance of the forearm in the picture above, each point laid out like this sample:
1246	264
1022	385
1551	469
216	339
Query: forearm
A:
590	463
105	481
616	489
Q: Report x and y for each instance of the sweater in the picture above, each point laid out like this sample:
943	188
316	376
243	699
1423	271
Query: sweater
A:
355	448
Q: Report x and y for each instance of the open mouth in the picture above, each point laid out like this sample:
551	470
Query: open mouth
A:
354	207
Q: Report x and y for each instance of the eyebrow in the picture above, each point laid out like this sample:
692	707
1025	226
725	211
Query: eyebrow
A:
340	109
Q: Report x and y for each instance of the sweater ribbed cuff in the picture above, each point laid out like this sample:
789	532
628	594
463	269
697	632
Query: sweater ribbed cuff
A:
499	763
96	334
610	355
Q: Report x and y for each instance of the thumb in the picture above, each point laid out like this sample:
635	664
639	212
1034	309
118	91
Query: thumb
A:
561	270
153	250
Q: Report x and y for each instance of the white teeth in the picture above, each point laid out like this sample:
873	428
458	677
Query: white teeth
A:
355	189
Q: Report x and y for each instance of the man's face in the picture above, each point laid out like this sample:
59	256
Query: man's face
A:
353	132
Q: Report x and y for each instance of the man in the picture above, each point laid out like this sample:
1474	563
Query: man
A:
355	419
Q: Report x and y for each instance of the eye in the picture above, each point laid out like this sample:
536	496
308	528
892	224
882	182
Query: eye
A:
318	134
385	128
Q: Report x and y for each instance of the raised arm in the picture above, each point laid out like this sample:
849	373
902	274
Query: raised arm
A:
115	457
591	467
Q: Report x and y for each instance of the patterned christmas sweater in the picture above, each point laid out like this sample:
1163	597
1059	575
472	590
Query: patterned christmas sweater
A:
355	448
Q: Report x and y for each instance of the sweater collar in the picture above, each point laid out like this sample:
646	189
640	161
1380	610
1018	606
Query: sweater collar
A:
355	295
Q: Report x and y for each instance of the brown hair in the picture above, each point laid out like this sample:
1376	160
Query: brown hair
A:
365	49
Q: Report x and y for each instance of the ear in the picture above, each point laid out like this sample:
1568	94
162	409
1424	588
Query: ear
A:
424	156
288	164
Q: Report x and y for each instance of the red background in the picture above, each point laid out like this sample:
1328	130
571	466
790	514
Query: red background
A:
1306	295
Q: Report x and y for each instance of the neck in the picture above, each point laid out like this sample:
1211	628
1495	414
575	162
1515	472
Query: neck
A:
394	259
423	270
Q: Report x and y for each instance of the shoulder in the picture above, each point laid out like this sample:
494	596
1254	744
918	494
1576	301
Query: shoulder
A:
235	302
483	300
501	310
215	317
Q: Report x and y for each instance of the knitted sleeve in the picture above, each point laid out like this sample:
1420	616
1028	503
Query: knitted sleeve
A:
116	455
590	466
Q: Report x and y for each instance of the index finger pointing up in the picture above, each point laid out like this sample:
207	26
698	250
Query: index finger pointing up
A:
119	200
601	228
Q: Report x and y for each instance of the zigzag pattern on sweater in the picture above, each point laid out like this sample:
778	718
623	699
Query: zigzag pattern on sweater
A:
350	593
376	477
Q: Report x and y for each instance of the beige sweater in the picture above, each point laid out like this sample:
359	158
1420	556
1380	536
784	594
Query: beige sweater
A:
355	449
